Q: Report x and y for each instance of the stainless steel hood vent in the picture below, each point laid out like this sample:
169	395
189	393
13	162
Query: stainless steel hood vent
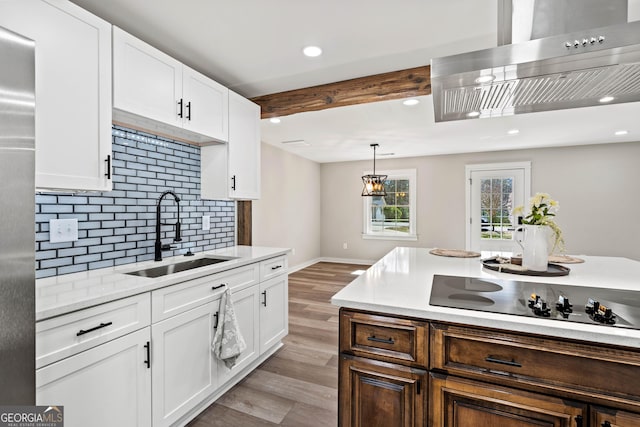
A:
572	70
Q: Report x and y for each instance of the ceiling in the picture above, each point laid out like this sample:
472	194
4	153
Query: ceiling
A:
254	48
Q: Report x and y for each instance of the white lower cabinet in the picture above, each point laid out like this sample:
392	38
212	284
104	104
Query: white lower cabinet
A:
108	385
184	368
245	306
274	313
147	360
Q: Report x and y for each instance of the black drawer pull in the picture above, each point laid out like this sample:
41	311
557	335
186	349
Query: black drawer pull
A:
216	316
579	420
100	326
213	288
180	104
276	267
503	362
189	110
264	293
606	424
382	340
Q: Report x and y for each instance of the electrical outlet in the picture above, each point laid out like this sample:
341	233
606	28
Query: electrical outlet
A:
344	245
63	230
206	222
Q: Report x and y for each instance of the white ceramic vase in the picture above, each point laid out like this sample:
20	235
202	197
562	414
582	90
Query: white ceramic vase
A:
535	247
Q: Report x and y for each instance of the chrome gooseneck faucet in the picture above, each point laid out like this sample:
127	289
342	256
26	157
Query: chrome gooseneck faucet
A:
159	246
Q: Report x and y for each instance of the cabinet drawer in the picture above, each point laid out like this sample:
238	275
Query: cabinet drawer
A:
391	339
273	267
72	333
172	300
539	363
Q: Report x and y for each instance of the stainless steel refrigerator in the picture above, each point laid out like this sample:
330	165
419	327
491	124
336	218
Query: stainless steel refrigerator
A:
17	219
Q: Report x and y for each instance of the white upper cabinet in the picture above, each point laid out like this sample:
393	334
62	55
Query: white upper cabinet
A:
155	92
145	81
232	171
73	92
206	103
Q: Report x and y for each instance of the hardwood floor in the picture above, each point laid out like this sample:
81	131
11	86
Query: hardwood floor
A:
298	386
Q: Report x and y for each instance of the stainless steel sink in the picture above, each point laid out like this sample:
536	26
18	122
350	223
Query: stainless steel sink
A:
163	270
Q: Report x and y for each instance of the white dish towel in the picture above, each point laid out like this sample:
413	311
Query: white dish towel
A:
227	342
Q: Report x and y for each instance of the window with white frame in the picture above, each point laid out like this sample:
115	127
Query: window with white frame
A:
392	217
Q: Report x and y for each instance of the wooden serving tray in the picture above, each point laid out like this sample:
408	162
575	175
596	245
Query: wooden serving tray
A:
552	269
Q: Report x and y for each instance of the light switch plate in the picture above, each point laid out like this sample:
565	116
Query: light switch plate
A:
63	230
206	222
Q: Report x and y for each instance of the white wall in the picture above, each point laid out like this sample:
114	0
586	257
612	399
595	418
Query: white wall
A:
596	185
288	212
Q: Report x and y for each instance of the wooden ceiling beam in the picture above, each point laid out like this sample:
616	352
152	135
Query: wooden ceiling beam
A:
379	87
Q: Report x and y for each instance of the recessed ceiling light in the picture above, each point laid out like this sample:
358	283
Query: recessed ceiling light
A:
386	154
473	114
621	132
486	79
312	51
274	120
411	102
513	131
606	99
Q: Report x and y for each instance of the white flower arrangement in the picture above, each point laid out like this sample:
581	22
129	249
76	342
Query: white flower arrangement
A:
542	209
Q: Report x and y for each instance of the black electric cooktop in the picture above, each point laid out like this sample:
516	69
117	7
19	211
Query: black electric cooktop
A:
599	306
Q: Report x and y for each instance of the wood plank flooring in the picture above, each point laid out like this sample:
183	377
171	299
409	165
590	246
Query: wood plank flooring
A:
298	386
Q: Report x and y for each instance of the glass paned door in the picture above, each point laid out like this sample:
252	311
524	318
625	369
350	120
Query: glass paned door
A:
493	195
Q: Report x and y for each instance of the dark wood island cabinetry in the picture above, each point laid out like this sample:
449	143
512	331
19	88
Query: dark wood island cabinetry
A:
401	371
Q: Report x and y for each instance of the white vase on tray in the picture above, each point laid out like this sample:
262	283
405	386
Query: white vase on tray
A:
535	247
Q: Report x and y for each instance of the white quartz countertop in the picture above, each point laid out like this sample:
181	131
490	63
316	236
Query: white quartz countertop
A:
70	292
400	284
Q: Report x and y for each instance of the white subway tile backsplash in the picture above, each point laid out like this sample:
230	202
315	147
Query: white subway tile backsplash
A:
118	227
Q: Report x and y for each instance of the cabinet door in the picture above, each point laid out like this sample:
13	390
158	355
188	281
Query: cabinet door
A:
456	402
146	81
73	91
607	417
245	305
184	368
108	385
244	148
206	105
274	312
373	393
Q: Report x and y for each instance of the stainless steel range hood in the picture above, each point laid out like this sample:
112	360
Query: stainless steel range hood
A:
579	68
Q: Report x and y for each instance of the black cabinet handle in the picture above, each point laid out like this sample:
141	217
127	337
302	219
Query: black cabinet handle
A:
382	340
264	302
189	110
148	361
233	185
100	326
276	267
213	288
108	174
512	362
216	316
578	420
606	424
418	387
180	104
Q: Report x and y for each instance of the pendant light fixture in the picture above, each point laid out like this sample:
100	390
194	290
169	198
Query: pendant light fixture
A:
374	184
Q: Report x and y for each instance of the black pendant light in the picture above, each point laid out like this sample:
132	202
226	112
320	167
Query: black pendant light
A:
374	184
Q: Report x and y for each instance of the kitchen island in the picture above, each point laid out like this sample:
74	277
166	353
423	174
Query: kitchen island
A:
436	365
